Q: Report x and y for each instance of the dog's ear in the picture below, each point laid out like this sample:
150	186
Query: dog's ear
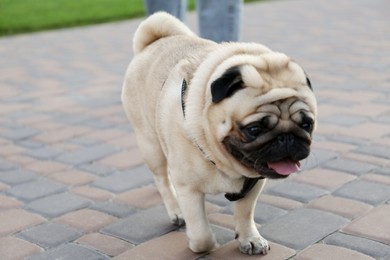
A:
308	82
226	85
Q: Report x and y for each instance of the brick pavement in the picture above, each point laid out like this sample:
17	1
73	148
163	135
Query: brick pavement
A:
72	182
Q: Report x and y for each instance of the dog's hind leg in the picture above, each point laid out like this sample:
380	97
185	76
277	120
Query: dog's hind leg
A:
157	163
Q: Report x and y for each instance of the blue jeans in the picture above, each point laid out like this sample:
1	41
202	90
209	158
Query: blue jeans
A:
219	20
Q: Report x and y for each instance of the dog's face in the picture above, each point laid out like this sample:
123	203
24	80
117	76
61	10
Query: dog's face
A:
264	117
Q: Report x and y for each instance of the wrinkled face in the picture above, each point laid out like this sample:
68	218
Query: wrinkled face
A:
266	126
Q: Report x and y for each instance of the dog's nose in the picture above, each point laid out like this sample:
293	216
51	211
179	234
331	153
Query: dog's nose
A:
286	139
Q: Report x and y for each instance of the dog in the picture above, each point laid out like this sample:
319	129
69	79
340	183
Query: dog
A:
215	118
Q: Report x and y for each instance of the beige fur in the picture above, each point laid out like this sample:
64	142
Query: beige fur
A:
179	149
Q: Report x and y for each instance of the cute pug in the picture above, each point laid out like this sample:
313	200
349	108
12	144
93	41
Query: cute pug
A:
215	118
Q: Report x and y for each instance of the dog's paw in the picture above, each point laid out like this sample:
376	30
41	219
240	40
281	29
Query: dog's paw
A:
254	246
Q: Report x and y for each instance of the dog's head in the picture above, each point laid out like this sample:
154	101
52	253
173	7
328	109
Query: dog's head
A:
261	115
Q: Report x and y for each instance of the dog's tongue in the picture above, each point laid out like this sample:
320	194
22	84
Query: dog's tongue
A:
285	167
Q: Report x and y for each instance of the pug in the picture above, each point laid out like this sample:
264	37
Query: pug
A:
215	118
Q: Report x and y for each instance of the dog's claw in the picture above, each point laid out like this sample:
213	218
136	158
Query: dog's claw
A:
178	221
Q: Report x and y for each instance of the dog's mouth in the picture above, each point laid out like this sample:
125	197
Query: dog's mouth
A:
285	167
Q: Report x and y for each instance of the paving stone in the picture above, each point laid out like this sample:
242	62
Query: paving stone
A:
365	191
19	133
380	151
367	226
363	245
279	202
44	153
296	191
8	203
317	157
72	177
123	160
318	251
231	251
354	167
115	209
263	212
6	166
107	245
97	169
83	141
142	198
123	181
14	220
297	229
218	199
141	226
50	235
322	178
223	220
46	167
36	189
86	155
92	193
58	204
69	252
14	248
14	177
86	220
28	143
173	245
384	170
10	149
223	235
20	160
340	206
379	178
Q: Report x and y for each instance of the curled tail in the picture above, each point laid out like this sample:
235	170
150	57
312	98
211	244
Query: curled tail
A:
156	26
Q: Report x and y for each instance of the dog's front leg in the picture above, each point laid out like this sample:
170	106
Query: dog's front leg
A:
251	242
201	238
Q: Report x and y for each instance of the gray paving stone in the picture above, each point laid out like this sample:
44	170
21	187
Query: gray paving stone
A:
263	213
97	123
30	144
19	133
115	209
70	252
97	169
72	118
86	155
296	191
365	246
223	235
384	170
302	227
36	189
366	191
317	157
5	165
58	204
122	181
375	150
50	235
218	199
344	120
83	141
14	177
44	153
349	140
351	166
142	226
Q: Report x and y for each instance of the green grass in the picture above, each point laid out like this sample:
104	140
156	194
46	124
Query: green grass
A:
20	16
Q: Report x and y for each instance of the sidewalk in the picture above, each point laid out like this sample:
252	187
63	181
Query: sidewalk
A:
73	185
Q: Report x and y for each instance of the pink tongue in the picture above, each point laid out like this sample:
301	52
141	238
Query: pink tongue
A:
285	167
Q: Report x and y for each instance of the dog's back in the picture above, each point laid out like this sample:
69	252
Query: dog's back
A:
158	26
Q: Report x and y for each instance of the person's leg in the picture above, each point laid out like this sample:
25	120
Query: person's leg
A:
219	20
177	8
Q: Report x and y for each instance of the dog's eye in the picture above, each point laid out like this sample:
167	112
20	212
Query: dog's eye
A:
252	131
307	125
